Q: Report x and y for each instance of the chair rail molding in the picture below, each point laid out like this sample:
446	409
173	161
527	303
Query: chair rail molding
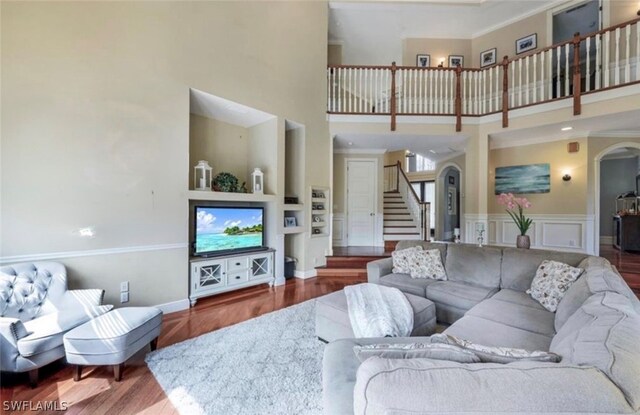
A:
90	252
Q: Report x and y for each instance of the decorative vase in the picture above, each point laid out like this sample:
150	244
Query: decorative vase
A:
523	241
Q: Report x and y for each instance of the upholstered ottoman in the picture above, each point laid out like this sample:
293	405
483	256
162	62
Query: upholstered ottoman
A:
332	316
112	338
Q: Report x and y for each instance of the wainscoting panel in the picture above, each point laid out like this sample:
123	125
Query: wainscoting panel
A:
556	232
339	230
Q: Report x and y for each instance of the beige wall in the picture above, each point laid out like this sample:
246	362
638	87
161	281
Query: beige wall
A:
97	133
564	197
621	11
334	56
504	39
223	145
438	49
393	157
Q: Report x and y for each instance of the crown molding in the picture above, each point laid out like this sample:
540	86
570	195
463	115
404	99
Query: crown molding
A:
497	143
616	134
359	151
516	19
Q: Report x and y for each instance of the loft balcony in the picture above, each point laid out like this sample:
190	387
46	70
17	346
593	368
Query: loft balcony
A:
583	66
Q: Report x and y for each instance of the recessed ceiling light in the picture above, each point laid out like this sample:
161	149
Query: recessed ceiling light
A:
567	128
350	143
431	151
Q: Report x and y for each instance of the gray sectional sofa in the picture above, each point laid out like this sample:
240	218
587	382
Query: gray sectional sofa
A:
596	330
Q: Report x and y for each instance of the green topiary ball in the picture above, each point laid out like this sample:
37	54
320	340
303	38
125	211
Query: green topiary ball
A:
225	182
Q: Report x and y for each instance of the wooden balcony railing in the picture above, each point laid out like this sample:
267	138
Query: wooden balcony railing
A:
606	59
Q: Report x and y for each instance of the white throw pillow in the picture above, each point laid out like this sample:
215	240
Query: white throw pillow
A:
403	258
551	283
428	265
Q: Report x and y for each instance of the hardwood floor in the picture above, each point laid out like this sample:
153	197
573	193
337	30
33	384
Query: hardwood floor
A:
138	392
627	263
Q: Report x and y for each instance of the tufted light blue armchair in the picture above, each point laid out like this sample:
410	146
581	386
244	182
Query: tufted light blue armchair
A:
36	309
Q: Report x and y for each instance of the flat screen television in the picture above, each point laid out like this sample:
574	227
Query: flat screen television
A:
223	230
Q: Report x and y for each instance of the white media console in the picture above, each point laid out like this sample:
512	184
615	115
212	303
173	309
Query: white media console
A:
227	273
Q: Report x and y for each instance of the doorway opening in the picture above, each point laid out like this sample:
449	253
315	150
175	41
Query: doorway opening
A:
579	17
617	182
448	211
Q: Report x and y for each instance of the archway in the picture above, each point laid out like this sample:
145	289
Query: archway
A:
597	182
449	207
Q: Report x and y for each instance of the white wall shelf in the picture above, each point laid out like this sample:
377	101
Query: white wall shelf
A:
292	207
293	229
319	219
232	197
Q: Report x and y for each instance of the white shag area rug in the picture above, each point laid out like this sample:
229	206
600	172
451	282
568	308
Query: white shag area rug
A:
271	364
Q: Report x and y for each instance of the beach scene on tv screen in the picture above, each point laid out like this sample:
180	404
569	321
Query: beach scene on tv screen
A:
219	229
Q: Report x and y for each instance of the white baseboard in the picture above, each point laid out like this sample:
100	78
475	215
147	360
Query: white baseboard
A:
174	306
606	240
305	274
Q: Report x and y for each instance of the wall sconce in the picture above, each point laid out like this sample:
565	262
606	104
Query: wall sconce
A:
566	177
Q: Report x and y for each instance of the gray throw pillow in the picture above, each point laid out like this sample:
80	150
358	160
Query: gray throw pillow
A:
416	351
492	354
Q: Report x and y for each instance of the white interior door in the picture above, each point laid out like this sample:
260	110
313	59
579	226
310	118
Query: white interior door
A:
362	202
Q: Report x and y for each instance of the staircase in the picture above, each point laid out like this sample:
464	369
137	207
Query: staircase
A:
405	216
398	222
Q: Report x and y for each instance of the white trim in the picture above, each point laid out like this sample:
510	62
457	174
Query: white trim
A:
305	274
359	150
349	118
516	19
616	134
470	221
92	252
596	191
174	306
598	96
506	142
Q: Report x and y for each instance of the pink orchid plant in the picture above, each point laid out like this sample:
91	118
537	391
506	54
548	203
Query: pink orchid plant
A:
515	207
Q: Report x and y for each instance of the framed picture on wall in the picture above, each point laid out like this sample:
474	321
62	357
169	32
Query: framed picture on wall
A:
451	200
488	57
423	61
455	61
526	43
290	221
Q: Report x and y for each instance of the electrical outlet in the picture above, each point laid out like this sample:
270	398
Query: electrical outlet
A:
124	297
572	242
315	261
124	286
